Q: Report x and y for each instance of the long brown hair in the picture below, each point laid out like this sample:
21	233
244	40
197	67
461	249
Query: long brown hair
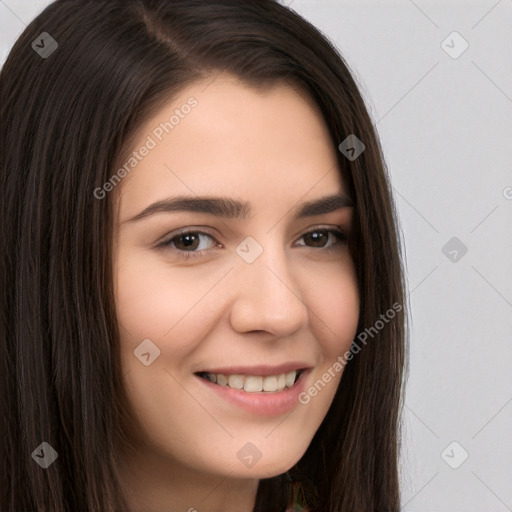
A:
66	118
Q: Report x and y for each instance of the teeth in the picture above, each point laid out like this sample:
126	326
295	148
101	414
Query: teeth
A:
270	383
290	379
221	379
236	381
254	383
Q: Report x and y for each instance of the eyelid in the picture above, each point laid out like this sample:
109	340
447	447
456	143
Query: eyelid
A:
338	231
164	242
183	231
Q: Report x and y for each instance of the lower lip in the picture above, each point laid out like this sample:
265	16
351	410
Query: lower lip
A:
262	403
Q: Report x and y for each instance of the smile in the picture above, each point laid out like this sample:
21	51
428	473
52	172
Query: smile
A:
254	383
272	394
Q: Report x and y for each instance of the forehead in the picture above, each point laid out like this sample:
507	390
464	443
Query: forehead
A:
270	143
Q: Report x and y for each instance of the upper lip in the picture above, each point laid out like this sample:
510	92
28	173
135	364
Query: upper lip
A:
262	369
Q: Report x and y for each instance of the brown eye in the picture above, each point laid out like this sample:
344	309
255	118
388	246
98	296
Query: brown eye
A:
319	239
189	243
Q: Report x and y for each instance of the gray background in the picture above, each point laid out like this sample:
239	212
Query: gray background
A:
445	125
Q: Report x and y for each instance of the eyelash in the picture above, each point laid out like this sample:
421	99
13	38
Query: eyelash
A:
166	244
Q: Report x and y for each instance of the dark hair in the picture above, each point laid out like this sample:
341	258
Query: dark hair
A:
67	120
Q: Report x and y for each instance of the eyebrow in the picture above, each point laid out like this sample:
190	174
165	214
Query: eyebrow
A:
235	209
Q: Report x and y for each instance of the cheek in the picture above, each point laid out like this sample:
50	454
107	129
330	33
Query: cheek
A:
155	301
335	327
170	307
336	308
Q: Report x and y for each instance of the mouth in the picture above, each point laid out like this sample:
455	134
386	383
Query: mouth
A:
259	390
254	383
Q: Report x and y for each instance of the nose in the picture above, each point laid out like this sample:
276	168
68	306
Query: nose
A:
267	296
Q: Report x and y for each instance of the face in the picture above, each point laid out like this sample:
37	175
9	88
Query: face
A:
214	297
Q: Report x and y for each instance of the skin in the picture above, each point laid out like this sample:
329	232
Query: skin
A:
296	301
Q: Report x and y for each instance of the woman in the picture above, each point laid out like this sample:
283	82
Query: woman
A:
203	299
